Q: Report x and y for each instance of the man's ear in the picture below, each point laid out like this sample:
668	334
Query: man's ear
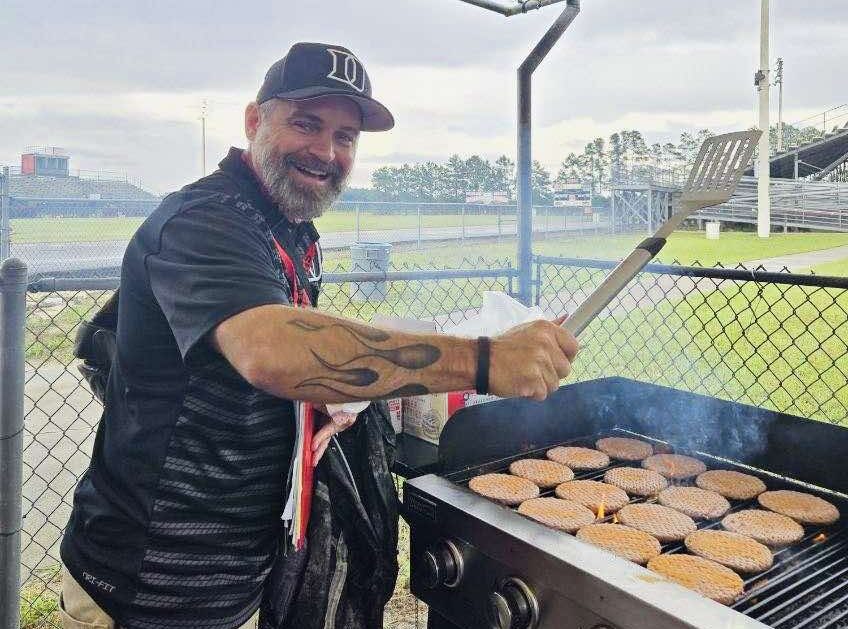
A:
251	120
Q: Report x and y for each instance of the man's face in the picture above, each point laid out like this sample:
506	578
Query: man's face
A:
303	151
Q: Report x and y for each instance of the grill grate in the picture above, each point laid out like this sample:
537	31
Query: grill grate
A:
806	587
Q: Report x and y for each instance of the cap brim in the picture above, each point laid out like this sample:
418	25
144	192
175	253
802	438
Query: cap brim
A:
375	115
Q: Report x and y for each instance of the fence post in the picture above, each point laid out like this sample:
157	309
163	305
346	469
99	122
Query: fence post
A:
538	299
462	232
357	222
499	223
418	208
13	281
5	208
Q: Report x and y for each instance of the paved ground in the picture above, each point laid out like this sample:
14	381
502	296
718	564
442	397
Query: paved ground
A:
801	261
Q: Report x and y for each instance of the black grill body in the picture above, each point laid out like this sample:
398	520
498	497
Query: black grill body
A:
478	564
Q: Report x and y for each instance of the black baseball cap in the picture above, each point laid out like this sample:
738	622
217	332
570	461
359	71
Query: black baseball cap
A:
310	70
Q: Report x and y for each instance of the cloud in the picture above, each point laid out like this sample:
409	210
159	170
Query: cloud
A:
121	83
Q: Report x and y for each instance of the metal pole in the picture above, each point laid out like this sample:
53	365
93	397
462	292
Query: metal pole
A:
357	222
5	205
499	223
650	212
523	176
203	137
419	226
779	81
13	281
508	9
763	176
612	211
462	214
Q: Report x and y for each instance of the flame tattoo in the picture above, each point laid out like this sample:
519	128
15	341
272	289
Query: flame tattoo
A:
345	377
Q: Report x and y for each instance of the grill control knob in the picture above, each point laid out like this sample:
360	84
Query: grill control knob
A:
512	606
441	565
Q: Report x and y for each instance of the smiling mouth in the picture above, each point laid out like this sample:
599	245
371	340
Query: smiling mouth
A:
311	173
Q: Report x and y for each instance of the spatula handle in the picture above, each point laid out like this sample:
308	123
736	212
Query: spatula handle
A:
612	285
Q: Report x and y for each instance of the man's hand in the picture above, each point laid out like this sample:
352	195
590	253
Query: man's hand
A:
335	424
529	360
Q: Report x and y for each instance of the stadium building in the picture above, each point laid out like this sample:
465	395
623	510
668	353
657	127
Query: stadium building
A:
44	186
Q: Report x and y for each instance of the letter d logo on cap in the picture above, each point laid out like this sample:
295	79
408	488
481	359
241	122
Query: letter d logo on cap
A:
346	69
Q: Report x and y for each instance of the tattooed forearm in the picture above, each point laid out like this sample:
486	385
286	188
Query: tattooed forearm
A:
415	356
361	377
372	334
330	386
346	376
304	354
412	356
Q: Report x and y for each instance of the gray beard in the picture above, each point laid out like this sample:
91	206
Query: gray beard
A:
297	203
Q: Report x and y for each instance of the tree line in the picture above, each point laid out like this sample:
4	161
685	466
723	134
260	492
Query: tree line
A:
622	155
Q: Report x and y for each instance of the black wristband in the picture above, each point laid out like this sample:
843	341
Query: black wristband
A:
483	351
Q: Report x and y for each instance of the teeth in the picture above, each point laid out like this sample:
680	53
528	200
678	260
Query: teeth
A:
316	173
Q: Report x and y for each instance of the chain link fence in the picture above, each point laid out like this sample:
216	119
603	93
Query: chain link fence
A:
79	227
775	340
771	339
61	413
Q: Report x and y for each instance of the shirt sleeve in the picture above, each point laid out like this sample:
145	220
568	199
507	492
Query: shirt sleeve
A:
212	263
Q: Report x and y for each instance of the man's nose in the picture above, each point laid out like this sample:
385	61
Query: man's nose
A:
323	147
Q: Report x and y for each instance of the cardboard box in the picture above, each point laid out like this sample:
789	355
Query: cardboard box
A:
425	416
461	399
396	413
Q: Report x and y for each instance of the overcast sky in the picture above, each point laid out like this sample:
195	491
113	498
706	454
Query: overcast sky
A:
119	84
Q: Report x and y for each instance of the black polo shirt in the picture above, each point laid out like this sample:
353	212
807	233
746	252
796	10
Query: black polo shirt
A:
177	520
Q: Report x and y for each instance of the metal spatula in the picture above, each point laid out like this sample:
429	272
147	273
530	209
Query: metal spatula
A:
712	180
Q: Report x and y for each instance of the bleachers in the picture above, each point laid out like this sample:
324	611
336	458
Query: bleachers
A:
41	187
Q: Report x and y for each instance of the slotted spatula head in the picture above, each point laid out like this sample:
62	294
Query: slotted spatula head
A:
718	169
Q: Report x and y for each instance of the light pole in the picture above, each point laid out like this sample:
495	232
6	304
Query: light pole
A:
778	80
761	80
203	111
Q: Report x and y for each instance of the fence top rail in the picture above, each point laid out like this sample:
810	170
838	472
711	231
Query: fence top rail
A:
742	275
432	274
435	204
83	200
57	284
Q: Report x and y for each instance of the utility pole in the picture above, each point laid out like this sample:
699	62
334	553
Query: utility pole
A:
761	80
203	111
778	80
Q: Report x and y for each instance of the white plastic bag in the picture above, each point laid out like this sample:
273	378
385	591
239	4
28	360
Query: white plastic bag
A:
499	313
354	408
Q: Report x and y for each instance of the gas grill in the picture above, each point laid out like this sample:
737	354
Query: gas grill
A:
479	564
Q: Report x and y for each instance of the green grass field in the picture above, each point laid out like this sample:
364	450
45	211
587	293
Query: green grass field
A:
52	322
839	268
785	347
98	229
685	247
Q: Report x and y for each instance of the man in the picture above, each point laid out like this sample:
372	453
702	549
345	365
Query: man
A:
177	522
